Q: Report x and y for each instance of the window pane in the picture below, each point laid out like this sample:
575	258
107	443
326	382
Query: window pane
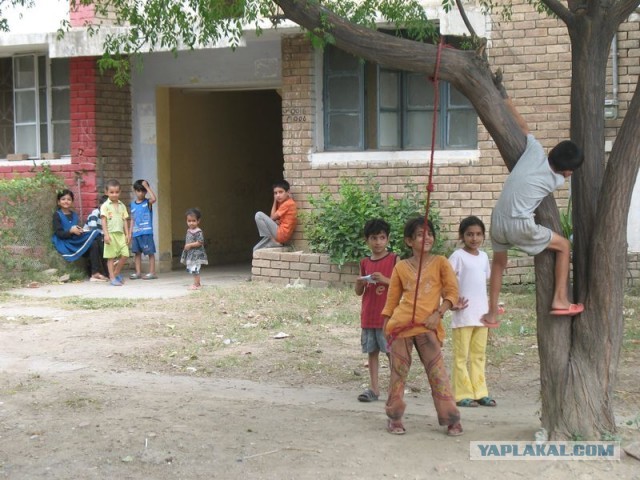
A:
344	131
26	140
340	61
42	105
6	107
418	132
62	138
44	141
389	87
419	91
343	93
388	130
60	104
463	129
456	99
60	72
25	107
24	72
42	72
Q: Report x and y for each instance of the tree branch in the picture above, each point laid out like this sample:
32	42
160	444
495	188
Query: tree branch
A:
562	12
620	11
465	19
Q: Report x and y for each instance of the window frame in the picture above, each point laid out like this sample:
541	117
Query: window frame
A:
42	120
445	108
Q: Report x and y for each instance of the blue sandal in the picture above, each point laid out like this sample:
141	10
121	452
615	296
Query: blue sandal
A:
368	396
467	402
486	402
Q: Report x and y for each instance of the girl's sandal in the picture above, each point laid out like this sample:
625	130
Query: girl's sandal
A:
486	402
454	430
395	427
467	402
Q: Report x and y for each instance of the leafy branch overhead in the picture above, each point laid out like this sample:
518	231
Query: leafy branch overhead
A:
173	25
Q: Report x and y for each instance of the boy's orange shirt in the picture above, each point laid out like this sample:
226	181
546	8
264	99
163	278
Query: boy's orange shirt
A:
287	220
437	282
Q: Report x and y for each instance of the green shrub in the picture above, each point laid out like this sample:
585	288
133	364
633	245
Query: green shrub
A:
335	224
26	206
566	222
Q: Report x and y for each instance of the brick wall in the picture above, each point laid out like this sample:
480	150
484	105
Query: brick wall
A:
84	148
100	135
277	265
113	134
81	14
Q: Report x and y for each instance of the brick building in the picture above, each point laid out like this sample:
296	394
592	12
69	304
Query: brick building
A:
212	128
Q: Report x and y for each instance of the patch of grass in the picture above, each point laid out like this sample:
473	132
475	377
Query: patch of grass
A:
30	384
101	303
24	320
77	403
631	312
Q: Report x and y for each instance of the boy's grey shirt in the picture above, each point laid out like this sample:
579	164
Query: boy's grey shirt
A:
530	181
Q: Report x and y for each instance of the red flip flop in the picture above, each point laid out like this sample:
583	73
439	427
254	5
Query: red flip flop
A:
574	309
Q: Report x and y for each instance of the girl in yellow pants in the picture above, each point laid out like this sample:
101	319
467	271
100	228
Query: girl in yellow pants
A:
472	269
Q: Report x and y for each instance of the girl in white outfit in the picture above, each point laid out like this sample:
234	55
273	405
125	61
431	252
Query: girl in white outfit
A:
472	269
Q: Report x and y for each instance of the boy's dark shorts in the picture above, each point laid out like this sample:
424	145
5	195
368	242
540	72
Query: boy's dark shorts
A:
372	340
143	244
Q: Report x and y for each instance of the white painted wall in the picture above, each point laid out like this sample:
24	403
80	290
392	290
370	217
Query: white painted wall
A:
254	66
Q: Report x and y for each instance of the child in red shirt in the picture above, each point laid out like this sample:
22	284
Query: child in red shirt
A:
375	272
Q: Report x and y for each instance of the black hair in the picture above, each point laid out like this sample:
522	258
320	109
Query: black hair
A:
113	183
138	186
64	192
566	156
414	224
193	212
281	184
376	226
469	222
103	199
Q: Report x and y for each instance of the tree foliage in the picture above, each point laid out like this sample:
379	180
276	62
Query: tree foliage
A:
173	25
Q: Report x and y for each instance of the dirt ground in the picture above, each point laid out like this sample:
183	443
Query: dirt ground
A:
84	396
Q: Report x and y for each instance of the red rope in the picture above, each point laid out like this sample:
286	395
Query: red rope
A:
434	131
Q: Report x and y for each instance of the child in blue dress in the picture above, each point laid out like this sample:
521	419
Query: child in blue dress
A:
71	241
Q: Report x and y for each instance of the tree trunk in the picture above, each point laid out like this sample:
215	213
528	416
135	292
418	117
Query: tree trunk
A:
578	356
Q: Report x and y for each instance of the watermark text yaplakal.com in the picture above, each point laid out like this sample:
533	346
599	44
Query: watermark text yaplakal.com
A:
544	450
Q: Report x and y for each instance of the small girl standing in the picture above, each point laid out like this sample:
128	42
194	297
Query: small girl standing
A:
194	254
421	327
469	334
